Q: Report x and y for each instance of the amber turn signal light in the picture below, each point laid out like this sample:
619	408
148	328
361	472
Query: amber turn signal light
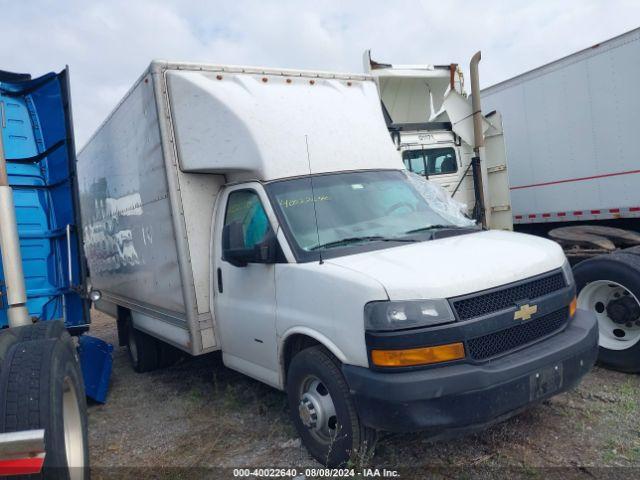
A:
572	307
418	356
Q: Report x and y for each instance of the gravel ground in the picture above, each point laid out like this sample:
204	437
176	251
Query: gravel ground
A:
198	413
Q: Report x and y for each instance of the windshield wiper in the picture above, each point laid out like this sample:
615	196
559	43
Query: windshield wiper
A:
434	227
370	238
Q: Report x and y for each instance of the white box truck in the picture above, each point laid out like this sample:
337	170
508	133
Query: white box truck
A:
266	213
570	165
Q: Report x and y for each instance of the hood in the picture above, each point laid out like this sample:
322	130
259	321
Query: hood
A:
457	265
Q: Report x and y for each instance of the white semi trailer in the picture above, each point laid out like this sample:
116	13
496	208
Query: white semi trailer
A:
573	173
266	213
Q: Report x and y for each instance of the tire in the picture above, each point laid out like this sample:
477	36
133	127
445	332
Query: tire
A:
144	350
41	388
335	439
169	355
597	279
8	338
41	330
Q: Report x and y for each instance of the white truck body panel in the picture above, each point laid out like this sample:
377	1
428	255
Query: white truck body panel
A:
401	269
571	129
304	123
135	253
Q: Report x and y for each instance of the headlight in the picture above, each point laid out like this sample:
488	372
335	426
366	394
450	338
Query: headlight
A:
567	272
408	314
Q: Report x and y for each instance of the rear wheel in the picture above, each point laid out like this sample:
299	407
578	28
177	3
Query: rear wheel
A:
609	286
144	350
41	388
323	412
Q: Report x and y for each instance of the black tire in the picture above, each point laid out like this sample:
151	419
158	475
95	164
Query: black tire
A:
41	387
7	339
41	330
144	350
624	269
169	355
352	441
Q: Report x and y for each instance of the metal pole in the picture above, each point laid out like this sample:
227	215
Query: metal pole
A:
478	136
10	249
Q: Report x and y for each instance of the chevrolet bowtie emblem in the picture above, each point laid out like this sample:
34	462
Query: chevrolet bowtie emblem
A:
525	312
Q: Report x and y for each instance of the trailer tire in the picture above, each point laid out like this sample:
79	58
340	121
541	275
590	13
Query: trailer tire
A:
321	406
144	350
601	281
41	387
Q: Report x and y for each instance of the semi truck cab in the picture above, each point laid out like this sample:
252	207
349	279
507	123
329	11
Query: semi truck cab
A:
426	110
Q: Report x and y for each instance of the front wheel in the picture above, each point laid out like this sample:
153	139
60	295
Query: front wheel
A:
609	286
323	412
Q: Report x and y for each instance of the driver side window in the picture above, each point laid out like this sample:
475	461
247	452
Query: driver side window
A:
244	207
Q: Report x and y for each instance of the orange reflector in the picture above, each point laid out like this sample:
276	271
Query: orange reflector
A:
572	307
417	356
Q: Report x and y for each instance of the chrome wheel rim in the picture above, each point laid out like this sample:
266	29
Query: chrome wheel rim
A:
596	297
317	411
72	422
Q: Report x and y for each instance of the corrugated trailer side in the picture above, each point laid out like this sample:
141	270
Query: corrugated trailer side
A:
143	227
570	130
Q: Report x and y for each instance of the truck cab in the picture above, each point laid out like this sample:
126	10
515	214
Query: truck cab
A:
426	110
283	229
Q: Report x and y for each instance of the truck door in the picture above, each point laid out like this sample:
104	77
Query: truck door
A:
244	297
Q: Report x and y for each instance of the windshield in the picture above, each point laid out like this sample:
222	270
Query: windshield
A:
353	209
434	161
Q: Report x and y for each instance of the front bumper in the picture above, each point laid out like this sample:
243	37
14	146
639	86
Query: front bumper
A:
463	397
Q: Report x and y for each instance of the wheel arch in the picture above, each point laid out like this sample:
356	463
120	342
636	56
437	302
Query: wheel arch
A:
297	339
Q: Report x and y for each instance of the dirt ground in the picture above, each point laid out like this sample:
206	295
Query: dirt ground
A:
198	413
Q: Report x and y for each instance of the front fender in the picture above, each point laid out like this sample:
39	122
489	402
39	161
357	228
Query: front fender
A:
325	302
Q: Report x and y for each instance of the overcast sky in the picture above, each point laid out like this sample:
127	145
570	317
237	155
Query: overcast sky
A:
107	44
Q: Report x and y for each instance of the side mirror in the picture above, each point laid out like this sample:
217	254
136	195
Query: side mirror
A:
238	254
267	250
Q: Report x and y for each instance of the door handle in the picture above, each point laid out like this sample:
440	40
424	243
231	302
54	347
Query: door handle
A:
219	280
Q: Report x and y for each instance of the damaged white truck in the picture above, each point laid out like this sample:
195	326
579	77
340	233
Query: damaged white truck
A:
267	214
